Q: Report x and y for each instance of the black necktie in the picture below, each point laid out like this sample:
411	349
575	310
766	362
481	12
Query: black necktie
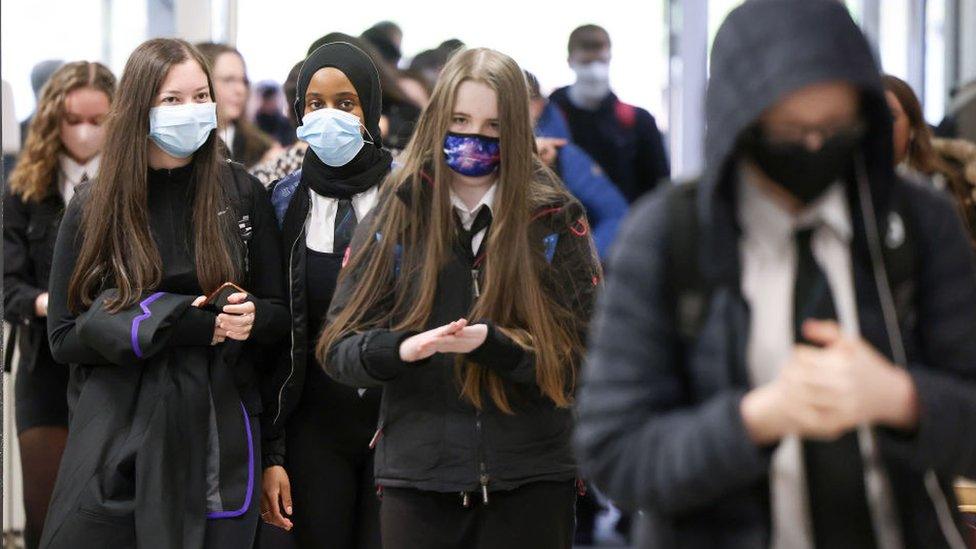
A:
466	236
345	225
835	473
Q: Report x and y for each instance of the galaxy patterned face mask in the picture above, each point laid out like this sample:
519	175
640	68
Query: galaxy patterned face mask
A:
472	155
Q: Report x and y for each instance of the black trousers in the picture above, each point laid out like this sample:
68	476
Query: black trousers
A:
540	515
330	466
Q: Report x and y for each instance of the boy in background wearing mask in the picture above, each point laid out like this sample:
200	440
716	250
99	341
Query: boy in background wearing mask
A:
824	395
622	138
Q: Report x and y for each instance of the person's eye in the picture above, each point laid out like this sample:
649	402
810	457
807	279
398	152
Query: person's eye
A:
203	96
458	120
169	100
494	125
314	104
347	105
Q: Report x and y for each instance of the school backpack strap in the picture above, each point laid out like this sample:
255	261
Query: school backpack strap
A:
243	204
689	292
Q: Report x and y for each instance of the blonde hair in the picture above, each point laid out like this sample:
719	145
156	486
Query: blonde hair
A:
35	171
513	295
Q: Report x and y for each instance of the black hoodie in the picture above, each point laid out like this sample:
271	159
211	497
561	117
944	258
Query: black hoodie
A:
659	424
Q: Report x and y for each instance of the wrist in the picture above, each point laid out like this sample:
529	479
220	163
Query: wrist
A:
760	415
900	407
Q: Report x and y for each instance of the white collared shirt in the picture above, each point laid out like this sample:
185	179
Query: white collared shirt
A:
320	227
468	215
71	174
768	256
227	134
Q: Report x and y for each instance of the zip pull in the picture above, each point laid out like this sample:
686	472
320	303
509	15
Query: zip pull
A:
465	500
474	283
484	489
376	438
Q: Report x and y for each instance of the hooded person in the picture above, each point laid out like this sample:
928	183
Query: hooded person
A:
730	416
323	467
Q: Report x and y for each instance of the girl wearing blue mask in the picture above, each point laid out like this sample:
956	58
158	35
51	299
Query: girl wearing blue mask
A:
163	441
318	464
465	298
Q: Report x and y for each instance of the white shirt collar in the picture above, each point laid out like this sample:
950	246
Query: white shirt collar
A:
73	172
763	218
227	134
467	216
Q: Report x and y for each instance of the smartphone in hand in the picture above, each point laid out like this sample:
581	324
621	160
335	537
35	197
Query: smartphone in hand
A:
216	301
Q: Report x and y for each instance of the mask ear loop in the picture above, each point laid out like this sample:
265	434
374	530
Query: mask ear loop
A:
372	141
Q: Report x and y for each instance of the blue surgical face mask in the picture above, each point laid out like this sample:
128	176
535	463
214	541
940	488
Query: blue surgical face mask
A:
182	129
472	155
334	135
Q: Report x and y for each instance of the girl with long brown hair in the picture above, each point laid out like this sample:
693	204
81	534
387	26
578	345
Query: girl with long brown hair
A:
163	437
62	150
465	298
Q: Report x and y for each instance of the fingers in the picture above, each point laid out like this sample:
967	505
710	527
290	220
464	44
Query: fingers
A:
822	332
239	297
235	322
199	301
451	328
558	142
286	495
246	308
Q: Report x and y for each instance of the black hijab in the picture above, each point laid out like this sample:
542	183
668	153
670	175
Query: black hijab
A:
372	163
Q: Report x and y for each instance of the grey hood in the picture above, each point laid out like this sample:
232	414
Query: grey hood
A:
765	50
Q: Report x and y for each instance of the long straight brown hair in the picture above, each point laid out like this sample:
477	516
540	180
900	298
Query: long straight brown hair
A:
514	294
116	243
33	176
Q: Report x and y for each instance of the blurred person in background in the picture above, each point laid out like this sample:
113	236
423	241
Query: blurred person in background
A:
38	77
291	159
960	118
425	67
386	37
949	164
785	352
269	117
400	113
62	152
318	464
605	205
245	143
622	138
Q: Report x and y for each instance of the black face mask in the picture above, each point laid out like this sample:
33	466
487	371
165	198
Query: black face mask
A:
805	174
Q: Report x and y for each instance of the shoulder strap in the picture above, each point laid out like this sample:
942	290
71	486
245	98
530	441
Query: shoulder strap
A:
689	290
243	204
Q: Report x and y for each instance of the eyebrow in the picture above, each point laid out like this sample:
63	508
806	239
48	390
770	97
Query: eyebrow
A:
459	113
178	92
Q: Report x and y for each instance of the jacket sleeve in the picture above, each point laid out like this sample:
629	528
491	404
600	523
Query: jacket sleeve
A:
945	375
639	435
371	357
652	158
20	289
267	278
192	327
576	275
605	204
